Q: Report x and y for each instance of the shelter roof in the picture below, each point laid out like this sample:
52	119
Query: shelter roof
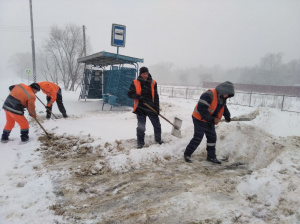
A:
105	58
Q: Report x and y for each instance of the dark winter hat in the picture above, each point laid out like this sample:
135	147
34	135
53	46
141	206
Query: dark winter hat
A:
143	69
35	86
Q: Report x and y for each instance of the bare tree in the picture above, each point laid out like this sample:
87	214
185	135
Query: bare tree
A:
292	71
271	62
62	49
48	68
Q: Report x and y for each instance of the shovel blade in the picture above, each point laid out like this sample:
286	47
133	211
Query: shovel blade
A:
177	122
176	131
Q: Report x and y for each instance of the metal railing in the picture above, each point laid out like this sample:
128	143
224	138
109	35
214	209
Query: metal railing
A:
250	99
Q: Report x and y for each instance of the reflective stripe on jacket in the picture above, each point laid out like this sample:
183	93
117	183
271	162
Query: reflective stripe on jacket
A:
20	97
138	90
211	109
50	89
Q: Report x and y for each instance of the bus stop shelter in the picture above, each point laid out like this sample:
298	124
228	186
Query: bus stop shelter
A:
108	76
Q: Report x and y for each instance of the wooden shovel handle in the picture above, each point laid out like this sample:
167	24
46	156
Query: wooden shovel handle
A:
46	107
151	108
238	119
41	126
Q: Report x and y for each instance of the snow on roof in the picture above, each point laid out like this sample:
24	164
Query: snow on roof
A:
103	59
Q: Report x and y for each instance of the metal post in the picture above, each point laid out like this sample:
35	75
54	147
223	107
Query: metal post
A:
84	43
282	103
186	92
84	68
32	44
117	53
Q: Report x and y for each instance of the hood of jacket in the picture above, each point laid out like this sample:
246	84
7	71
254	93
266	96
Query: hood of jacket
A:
225	88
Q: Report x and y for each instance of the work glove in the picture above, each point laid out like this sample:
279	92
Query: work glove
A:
33	115
227	119
11	87
211	123
48	108
157	109
140	98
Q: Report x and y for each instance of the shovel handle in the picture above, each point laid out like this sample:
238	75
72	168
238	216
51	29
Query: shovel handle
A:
41	126
151	108
238	119
46	107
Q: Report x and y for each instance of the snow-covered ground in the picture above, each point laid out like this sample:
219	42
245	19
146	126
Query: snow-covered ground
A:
90	171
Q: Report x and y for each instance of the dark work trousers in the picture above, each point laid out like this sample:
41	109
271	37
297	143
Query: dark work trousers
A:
141	128
59	104
201	128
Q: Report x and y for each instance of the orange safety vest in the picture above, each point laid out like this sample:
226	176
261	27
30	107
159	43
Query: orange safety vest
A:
138	90
26	96
50	89
211	108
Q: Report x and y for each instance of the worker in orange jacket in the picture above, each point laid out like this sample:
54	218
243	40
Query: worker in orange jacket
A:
144	90
207	113
53	93
21	96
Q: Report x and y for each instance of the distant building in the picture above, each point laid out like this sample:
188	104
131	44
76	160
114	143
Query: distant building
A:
280	90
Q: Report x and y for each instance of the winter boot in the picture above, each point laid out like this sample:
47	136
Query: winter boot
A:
65	115
159	142
48	112
5	136
187	158
24	135
213	160
140	140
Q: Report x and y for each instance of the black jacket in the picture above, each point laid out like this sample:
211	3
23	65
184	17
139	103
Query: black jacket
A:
146	96
207	97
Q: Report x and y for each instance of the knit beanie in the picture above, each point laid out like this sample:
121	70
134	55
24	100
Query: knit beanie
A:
35	86
143	69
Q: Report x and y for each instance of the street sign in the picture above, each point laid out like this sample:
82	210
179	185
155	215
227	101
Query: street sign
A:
28	72
118	35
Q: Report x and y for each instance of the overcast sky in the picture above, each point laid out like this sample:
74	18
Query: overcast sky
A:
186	33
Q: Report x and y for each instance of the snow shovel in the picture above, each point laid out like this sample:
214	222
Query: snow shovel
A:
240	119
245	117
177	122
46	107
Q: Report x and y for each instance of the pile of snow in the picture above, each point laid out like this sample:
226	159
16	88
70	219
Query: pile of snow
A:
90	170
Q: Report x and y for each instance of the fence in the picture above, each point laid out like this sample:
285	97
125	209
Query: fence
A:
285	103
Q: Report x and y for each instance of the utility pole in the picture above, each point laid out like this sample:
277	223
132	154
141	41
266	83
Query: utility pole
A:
32	44
84	68
84	43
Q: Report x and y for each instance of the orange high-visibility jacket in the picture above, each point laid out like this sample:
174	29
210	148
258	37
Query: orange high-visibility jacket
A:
211	108
50	89
23	95
138	90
